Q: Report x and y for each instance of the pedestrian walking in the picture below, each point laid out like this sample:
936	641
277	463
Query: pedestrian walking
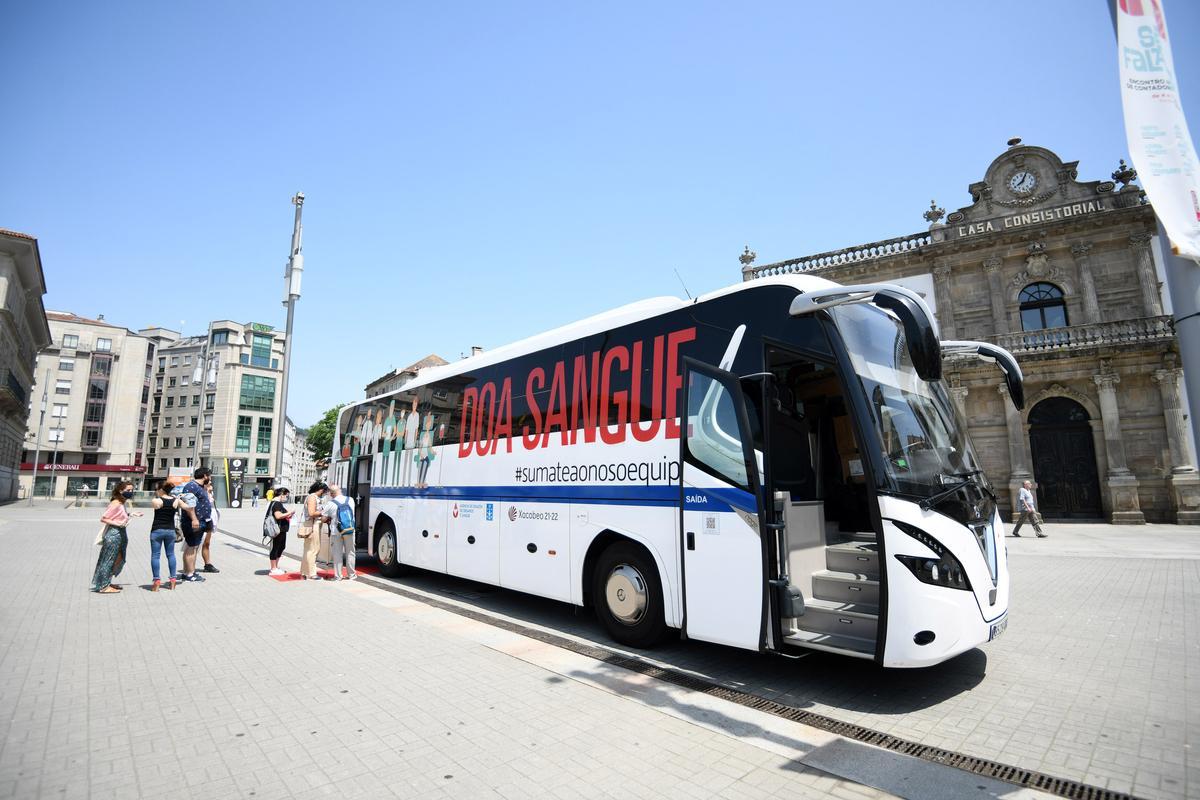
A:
283	518
310	530
340	510
196	523
254	497
115	539
1028	509
162	533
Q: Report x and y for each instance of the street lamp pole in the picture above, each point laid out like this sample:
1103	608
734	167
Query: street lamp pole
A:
37	448
291	293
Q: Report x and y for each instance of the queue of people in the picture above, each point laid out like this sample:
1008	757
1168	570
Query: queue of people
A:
187	515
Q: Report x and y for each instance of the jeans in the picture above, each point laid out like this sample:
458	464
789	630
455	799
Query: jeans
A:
166	539
343	543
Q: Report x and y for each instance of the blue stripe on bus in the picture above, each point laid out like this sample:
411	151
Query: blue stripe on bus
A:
715	499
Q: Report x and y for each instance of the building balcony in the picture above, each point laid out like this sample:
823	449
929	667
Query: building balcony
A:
1096	335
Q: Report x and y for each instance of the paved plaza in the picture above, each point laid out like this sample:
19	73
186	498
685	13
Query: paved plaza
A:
246	686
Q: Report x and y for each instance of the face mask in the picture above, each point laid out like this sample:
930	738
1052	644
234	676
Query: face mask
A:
127	495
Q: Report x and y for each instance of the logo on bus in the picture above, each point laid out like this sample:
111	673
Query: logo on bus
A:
512	513
489	512
454	511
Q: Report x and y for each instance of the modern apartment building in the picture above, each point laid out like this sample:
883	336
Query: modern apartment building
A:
216	403
23	332
96	379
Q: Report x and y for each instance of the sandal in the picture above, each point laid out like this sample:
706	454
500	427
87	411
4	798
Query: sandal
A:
108	590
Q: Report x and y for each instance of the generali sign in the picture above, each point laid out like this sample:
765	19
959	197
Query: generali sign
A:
28	467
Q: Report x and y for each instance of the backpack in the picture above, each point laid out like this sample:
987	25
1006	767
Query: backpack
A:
270	527
345	517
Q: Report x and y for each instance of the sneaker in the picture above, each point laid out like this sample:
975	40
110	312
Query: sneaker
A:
276	571
1016	534
194	578
353	576
1043	535
210	568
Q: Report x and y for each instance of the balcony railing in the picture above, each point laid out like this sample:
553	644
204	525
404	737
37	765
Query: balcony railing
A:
847	255
1077	337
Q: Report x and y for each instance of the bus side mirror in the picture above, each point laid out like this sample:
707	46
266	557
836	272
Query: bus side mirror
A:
1014	380
919	330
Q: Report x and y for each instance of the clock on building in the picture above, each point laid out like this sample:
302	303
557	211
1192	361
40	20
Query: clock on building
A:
1023	181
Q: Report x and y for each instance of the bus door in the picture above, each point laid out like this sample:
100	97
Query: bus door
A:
722	547
360	489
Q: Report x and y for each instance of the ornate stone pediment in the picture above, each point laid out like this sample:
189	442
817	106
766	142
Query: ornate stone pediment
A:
1058	390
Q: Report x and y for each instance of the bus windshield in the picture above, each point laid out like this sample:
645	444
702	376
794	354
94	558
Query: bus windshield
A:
925	449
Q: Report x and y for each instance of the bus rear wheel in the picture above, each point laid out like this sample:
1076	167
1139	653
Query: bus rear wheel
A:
627	593
387	552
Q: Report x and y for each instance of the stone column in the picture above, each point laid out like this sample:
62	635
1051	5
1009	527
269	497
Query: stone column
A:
1121	484
1018	451
958	393
945	305
1183	479
1139	243
1087	284
991	266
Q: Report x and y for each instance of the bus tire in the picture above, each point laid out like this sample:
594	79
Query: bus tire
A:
387	551
627	594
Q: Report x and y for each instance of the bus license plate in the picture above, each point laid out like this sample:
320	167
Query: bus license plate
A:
998	628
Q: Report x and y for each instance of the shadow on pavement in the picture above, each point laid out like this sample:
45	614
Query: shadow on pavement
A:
814	681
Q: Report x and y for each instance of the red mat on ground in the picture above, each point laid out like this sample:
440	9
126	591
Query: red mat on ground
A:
327	574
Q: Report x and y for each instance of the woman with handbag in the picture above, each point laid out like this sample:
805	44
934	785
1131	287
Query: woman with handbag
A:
162	533
115	541
310	530
283	519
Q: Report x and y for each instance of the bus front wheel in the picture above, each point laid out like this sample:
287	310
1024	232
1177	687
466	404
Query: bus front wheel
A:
627	593
387	552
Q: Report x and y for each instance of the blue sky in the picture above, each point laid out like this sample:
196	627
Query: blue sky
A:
479	172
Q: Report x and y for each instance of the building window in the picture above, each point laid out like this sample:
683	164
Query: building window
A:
171	382
102	365
104	345
171	402
62	387
166	422
91	437
174	361
59	410
162	365
94	412
244	358
184	379
205	443
58	434
187	360
192	443
220	337
179	441
162	463
66	364
70	340
208	420
179	423
210	402
158	384
157	404
195	421
242	442
264	434
258	393
196	400
260	350
1042	307
261	465
175	461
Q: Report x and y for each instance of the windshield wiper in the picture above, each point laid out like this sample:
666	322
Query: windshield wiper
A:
932	500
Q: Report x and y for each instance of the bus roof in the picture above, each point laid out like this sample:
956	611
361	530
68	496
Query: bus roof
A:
606	320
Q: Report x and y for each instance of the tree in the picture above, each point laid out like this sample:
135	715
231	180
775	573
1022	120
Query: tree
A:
320	436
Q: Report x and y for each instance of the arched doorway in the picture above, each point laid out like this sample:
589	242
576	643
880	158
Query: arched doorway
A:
1064	460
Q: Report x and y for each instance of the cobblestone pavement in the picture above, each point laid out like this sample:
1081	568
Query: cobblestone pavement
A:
1097	678
245	686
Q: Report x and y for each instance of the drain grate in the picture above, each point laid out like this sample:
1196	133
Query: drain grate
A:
973	764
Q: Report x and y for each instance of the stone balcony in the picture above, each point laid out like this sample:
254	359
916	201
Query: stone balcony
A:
1060	341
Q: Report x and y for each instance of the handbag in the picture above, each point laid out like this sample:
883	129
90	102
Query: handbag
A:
100	535
270	527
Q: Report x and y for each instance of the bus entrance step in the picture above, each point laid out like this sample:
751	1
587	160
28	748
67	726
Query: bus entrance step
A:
846	645
841	587
839	619
857	558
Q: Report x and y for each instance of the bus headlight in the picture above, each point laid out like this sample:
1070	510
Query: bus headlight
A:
944	570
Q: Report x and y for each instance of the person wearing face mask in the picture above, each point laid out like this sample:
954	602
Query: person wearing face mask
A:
115	540
162	533
283	518
310	530
201	523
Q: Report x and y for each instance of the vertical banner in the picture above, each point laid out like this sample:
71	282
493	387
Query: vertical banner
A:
1159	143
235	470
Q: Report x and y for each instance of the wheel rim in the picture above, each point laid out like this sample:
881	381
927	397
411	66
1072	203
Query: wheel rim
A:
626	593
387	548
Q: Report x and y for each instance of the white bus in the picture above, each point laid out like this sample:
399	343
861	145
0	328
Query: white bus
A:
773	466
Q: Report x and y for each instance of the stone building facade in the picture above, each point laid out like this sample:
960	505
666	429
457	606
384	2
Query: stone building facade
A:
97	378
23	332
1066	275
